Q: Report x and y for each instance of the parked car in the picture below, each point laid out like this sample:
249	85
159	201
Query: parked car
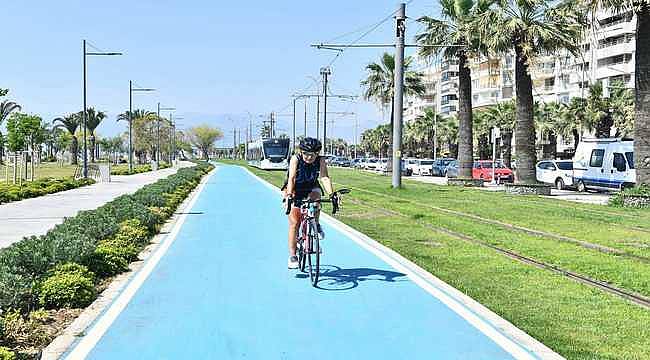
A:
451	171
423	167
439	166
371	164
382	165
340	161
387	167
356	163
411	164
482	169
604	164
556	172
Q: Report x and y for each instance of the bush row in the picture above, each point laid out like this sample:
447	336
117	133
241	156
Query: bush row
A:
617	198
59	268
40	187
136	169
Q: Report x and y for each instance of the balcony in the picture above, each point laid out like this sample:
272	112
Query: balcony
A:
617	49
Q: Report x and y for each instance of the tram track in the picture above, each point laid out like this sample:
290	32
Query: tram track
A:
585	244
634	297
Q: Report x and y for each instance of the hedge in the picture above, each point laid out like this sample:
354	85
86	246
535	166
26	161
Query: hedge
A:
137	169
40	187
94	238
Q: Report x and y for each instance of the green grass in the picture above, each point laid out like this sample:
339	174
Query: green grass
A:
42	170
577	321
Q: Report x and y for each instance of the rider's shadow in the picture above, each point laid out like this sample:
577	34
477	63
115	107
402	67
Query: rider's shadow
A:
334	278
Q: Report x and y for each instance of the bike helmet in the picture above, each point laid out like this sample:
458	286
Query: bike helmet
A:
310	145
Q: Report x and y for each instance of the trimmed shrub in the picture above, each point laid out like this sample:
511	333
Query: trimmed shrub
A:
72	268
134	231
39	187
108	259
66	290
6	354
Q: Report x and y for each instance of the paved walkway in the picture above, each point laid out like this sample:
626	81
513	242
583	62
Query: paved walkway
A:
38	215
218	288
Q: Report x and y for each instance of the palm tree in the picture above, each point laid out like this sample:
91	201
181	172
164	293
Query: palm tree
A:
502	115
380	83
70	123
458	30
6	108
448	134
93	119
532	28
642	79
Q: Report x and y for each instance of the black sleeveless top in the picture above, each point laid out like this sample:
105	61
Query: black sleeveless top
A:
307	174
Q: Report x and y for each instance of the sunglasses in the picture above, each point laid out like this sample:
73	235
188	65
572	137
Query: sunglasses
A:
310	154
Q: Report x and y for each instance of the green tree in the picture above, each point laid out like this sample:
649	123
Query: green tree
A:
6	108
143	132
642	79
502	115
458	28
70	123
93	119
203	137
380	83
531	28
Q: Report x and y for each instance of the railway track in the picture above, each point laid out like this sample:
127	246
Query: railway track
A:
636	298
582	243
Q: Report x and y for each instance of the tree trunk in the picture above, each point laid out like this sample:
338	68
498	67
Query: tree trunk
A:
465	123
525	125
506	148
604	126
484	149
642	103
73	150
92	148
576	139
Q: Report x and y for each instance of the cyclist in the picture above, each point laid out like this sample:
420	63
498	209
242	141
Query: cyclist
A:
305	169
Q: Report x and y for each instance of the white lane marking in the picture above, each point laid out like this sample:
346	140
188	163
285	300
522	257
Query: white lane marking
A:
455	302
89	341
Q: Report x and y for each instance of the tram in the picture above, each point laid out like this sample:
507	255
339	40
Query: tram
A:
269	154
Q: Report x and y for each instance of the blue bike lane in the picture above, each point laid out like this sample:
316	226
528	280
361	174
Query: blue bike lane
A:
220	289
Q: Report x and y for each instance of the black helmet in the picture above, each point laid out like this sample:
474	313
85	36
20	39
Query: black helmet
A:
310	145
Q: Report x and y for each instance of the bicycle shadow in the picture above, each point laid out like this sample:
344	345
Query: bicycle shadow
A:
334	278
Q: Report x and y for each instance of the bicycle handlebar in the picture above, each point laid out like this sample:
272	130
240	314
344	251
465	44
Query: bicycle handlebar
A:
334	199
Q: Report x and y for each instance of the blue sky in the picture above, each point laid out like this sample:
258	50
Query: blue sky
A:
214	61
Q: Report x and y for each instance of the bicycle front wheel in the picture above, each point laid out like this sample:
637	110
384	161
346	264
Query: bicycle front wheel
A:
313	253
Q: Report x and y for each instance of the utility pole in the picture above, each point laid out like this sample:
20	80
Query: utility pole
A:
400	31
158	135
305	134
325	72
234	136
317	116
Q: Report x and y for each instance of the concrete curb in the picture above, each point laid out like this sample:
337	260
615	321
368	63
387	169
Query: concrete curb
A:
77	329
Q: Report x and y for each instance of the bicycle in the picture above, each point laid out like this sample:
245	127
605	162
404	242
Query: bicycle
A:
308	238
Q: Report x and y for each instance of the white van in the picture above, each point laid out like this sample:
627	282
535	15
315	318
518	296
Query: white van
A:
604	164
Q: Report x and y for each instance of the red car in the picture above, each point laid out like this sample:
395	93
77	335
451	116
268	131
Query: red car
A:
482	169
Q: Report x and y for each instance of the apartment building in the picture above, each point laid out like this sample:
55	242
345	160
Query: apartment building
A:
607	56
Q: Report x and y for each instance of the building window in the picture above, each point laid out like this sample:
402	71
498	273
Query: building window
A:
613	60
616	19
448	75
549	83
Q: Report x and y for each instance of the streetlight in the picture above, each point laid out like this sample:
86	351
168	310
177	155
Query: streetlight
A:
85	53
172	154
158	152
131	90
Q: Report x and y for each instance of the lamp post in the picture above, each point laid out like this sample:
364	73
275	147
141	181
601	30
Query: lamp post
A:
172	154
131	90
158	152
86	53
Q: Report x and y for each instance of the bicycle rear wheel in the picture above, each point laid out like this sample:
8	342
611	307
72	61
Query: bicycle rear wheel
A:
313	253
